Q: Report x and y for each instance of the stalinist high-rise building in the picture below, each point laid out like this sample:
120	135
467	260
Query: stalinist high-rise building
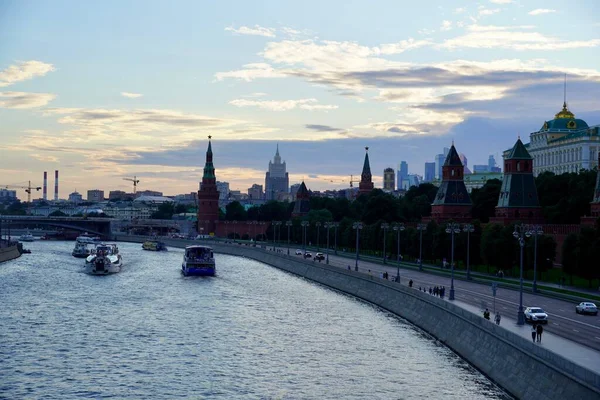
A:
276	180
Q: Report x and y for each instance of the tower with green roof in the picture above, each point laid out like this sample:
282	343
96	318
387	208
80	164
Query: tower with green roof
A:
452	201
366	179
518	200
208	196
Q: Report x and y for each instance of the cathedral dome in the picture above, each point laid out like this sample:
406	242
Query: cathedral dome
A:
564	120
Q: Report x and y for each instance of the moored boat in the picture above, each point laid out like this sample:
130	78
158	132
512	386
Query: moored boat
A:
154	245
26	237
199	261
81	250
85	238
105	259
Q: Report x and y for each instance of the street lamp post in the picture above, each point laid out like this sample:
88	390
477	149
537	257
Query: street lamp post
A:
276	224
262	229
385	227
469	229
288	224
318	225
234	234
452	228
304	225
519	234
335	226
398	228
421	228
535	231
358	226
327	225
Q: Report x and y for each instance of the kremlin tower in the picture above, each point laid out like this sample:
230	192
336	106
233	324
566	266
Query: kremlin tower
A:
366	184
208	197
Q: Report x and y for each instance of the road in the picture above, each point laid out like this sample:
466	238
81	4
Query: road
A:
563	321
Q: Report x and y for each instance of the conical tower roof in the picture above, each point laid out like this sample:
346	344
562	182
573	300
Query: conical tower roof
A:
519	152
302	190
209	168
453	159
366	165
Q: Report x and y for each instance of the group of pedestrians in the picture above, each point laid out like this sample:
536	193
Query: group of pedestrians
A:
536	333
497	318
438	291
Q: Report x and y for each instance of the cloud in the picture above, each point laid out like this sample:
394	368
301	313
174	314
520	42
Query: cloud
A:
489	11
539	11
44	158
446	25
257	30
251	72
283	105
515	38
323	128
501	1
131	95
21	100
459	10
255	94
24	71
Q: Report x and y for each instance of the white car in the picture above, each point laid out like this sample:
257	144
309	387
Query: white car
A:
536	314
298	252
586	308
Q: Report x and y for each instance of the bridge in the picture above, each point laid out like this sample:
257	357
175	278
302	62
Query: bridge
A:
95	226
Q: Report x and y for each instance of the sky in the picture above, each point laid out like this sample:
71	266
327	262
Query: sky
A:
103	91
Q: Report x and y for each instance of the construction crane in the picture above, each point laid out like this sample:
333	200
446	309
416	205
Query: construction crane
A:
352	180
135	181
27	188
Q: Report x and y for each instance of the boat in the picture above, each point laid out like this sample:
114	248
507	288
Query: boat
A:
154	245
104	259
27	237
199	261
85	238
81	250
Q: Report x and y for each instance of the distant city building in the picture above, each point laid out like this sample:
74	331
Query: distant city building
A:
389	179
148	193
75	197
127	211
235	195
411	180
8	195
294	189
429	172
119	195
478	179
480	168
255	192
492	164
366	179
189	199
276	179
96	196
223	188
153	199
563	144
439	162
402	173
465	163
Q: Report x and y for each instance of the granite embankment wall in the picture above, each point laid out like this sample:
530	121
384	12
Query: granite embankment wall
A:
522	368
9	253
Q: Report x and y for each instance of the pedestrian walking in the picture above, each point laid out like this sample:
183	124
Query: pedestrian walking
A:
430	290
486	314
539	330
410	283
497	318
533	333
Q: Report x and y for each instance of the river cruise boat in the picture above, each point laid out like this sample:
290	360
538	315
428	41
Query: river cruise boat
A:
154	245
104	259
81	250
27	237
199	261
85	238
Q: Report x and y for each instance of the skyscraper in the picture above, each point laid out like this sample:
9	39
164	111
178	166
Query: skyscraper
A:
402	174
439	163
389	178
276	179
429	171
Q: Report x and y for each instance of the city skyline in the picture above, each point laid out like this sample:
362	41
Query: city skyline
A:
102	92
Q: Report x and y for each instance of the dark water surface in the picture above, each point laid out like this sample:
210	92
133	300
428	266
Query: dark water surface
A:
252	332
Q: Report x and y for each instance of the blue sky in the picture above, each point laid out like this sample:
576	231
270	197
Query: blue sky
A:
112	89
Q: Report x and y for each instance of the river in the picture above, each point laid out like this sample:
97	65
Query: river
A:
251	332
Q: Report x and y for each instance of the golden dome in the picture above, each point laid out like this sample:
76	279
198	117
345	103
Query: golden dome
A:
564	113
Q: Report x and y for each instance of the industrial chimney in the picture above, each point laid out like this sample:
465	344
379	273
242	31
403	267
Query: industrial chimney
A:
56	185
45	185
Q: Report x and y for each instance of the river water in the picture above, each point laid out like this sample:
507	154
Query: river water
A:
252	332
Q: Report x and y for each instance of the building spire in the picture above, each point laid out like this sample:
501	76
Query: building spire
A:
277	152
565	93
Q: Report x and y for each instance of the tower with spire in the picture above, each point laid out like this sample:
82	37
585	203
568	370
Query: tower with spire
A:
208	197
276	179
366	183
452	201
518	201
595	204
302	204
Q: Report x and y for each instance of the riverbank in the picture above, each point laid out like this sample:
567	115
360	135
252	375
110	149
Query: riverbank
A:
515	363
9	253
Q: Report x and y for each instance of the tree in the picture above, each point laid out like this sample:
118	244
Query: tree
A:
570	255
485	200
57	213
165	211
235	211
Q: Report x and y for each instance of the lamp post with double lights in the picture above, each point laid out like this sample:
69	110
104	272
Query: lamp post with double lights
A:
335	226
385	227
519	234
262	230
535	231
318	225
469	228
327	225
358	226
276	224
398	228
421	228
452	228
304	225
288	224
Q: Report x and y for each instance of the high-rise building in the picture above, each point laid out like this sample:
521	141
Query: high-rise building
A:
389	179
491	163
8	195
429	171
276	179
223	188
402	174
75	197
439	163
465	163
95	195
255	192
294	189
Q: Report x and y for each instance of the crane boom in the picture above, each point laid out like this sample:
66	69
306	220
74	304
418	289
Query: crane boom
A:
27	188
135	181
